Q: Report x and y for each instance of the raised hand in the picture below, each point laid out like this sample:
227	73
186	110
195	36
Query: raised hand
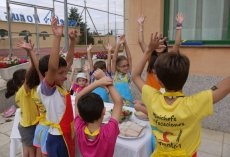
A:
86	67
155	42
122	39
89	48
179	19
141	20
109	47
73	34
27	46
57	30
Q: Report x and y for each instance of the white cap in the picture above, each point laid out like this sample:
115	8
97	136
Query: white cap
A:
81	75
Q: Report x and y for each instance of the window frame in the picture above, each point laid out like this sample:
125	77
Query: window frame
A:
205	42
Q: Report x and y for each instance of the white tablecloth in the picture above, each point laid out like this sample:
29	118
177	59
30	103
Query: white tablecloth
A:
15	138
140	147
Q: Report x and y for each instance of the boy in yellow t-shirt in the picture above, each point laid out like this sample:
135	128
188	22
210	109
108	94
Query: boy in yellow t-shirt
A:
175	118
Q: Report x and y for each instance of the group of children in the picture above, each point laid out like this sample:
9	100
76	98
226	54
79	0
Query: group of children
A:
47	119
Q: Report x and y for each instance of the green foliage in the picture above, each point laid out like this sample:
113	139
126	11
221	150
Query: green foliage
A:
74	15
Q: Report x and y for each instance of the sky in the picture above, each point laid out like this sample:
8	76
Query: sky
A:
99	18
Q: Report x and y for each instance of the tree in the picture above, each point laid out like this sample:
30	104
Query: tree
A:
74	15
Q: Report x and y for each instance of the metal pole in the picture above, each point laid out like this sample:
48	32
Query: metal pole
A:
108	22
115	22
36	27
9	27
86	42
90	8
66	25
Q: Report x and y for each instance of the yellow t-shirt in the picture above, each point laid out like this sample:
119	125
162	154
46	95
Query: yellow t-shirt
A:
176	127
41	108
29	111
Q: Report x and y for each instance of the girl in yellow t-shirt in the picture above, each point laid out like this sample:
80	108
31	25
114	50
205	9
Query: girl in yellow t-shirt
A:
26	88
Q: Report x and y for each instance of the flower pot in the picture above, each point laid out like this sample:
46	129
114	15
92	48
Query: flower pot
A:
7	73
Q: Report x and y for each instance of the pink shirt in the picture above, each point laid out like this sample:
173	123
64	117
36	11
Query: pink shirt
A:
76	88
103	145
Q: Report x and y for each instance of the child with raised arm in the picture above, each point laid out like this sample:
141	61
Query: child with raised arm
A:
29	111
95	139
121	71
57	101
102	91
175	119
151	78
41	131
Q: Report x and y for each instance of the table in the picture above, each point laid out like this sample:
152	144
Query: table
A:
140	147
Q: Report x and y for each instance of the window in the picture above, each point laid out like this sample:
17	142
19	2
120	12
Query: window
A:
44	34
3	33
207	21
100	41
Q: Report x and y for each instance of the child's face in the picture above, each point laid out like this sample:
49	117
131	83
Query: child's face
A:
81	82
123	66
61	76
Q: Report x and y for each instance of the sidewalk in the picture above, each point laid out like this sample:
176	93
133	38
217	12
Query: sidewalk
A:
213	143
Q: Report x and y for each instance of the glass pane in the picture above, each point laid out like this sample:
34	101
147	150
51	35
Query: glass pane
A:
204	20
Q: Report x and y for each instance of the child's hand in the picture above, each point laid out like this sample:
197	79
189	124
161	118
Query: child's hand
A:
109	47
155	42
57	30
89	48
141	20
105	81
122	39
179	19
27	46
86	68
98	74
73	34
74	69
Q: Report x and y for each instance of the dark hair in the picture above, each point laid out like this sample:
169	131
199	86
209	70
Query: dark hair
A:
44	61
119	59
172	70
99	65
32	77
15	83
90	107
154	57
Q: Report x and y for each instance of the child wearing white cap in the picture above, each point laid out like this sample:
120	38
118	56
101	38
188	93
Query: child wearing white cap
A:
80	83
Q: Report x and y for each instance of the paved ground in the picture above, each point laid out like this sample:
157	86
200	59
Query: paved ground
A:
213	143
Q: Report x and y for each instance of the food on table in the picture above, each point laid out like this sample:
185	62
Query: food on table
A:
130	129
141	115
125	115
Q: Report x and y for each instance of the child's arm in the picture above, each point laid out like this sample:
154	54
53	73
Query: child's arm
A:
117	101
103	81
118	45
141	42
221	89
70	54
109	48
54	56
29	47
179	21
71	77
90	60
86	71
128	55
136	73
